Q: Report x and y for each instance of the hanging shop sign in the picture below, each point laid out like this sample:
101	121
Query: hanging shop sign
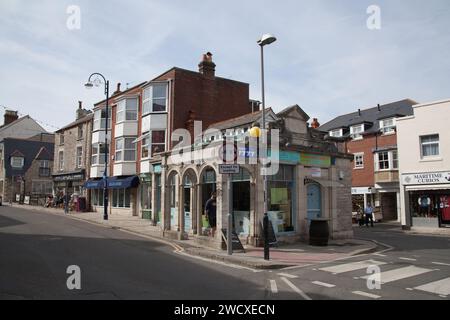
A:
69	177
426	178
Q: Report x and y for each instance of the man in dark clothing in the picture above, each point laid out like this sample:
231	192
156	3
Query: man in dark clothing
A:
369	215
211	211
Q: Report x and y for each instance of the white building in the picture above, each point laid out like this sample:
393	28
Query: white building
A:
424	158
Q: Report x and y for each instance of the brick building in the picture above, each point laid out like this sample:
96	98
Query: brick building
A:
371	136
73	154
143	119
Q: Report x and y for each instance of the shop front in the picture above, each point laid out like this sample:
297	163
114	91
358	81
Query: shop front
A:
145	188
72	182
427	199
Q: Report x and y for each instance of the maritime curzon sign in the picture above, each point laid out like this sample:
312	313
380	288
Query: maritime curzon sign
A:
426	178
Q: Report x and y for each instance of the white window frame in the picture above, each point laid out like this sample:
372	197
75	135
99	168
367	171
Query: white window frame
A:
356	155
388	129
19	159
115	197
357	135
100	120
79	157
125	108
148	98
337	133
390	161
430	143
121	151
97	157
61	160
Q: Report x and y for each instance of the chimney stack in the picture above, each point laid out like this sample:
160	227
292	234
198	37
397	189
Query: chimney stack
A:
315	123
10	116
359	112
118	88
207	67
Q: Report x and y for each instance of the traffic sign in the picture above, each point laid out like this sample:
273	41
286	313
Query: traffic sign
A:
229	168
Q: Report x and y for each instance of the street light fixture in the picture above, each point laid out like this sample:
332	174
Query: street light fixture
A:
96	79
266	39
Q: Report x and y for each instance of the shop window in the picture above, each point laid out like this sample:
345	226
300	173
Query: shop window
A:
429	145
121	198
41	187
281	189
97	197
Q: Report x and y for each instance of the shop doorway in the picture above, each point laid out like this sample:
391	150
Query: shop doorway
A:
189	197
314	201
241	202
207	187
173	202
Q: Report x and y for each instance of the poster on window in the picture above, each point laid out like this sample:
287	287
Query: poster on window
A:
445	208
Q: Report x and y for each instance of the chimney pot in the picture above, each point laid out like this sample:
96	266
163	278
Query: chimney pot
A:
207	67
80	104
315	123
118	88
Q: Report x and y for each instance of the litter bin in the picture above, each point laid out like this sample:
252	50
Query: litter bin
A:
319	232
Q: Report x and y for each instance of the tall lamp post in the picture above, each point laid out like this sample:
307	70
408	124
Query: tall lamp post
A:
96	79
266	39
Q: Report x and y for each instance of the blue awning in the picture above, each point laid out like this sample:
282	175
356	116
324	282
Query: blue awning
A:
123	182
113	183
94	184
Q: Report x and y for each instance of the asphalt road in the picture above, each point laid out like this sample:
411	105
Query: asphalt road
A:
36	249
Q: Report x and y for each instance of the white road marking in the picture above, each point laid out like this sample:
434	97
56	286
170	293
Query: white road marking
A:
341	268
442	296
293	287
441	264
441	287
408	259
379	255
287	275
401	273
323	284
273	286
409	289
367	295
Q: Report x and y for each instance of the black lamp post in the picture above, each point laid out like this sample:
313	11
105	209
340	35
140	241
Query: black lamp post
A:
96	79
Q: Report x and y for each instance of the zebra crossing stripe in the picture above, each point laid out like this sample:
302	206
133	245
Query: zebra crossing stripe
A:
323	284
441	287
401	273
273	286
353	266
367	295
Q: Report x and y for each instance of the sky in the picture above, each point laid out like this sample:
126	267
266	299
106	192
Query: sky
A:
325	59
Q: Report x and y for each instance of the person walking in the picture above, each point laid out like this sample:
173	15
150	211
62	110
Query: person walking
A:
66	200
369	215
211	211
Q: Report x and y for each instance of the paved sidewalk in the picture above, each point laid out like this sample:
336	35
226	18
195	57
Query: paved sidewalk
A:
298	254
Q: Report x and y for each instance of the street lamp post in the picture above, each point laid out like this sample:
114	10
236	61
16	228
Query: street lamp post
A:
91	82
266	39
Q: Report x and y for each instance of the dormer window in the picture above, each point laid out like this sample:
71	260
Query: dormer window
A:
338	133
387	125
357	131
17	162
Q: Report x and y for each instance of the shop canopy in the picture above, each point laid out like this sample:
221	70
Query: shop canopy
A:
113	183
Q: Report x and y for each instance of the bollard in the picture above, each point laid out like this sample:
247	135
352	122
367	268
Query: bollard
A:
266	236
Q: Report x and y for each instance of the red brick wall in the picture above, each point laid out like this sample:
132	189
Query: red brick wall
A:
212	100
365	177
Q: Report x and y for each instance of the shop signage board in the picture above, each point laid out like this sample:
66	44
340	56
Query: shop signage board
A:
229	168
305	159
426	178
69	177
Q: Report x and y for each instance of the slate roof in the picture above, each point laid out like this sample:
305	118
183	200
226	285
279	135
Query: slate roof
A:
29	149
371	116
83	119
242	120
